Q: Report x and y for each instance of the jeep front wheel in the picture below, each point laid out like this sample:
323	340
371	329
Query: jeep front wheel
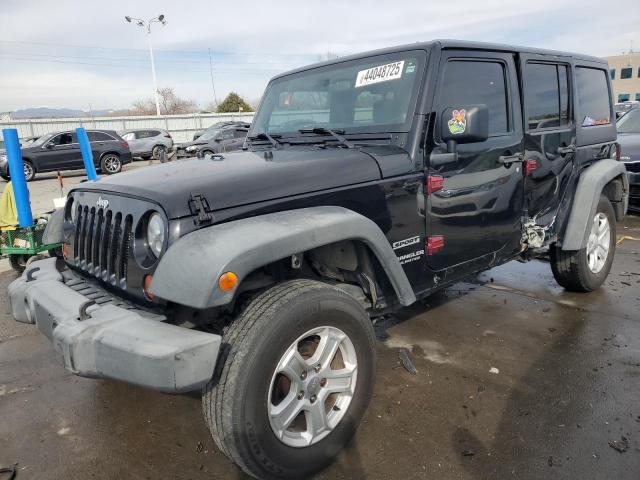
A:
586	269
295	377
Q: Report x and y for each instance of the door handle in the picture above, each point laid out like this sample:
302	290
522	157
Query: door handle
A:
508	159
567	149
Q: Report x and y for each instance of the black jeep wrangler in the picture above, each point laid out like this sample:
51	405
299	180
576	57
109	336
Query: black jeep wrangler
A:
365	183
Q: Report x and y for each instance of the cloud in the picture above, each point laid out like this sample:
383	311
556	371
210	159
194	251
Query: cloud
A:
75	52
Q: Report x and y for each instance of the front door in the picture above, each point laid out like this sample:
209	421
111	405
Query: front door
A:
61	152
478	210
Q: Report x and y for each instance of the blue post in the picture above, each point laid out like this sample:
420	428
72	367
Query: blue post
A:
16	170
87	155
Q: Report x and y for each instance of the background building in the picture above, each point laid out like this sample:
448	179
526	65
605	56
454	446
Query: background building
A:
625	76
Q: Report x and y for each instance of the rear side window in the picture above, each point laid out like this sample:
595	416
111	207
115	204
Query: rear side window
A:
473	83
99	137
240	133
546	95
593	97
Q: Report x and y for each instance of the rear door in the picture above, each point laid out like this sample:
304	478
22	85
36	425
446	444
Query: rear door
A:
477	213
550	132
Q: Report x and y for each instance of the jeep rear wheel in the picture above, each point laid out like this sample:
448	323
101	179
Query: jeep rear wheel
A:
585	270
294	378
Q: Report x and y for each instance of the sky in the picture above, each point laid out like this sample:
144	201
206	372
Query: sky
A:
82	54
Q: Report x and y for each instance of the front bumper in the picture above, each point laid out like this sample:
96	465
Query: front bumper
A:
111	338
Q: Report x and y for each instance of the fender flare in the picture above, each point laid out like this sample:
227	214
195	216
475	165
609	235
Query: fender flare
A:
53	232
585	201
189	270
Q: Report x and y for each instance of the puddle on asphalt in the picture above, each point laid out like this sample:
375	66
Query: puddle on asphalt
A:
430	350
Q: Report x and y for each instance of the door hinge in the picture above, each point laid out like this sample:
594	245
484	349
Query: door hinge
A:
434	183
199	206
435	243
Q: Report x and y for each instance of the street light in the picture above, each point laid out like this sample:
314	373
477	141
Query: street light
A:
147	24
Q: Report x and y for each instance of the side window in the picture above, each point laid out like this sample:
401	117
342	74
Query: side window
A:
99	137
593	96
227	134
64	139
129	136
240	133
546	95
468	82
153	133
140	134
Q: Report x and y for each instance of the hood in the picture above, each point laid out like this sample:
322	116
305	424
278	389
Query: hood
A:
242	177
630	145
193	142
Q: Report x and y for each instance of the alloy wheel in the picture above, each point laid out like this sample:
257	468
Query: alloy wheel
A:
599	243
312	386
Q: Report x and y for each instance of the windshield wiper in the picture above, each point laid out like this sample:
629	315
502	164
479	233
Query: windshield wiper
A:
266	136
325	131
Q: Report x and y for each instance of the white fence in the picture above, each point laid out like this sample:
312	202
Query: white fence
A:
181	127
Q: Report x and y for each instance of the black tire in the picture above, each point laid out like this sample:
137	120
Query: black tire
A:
155	153
18	262
207	152
571	268
235	402
110	163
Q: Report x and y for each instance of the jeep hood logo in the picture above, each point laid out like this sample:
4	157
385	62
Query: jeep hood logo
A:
102	203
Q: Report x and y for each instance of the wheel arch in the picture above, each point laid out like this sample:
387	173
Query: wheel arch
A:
189	270
605	177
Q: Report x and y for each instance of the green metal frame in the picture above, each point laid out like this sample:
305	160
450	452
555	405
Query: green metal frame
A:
30	237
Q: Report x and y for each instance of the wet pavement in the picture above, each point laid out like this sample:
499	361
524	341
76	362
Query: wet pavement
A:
566	383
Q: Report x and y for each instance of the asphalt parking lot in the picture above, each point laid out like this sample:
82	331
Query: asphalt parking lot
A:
516	379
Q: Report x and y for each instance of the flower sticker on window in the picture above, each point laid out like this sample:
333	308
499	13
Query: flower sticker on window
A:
458	122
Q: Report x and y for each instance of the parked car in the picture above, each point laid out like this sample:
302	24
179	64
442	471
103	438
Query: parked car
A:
147	143
61	151
369	182
623	107
225	139
219	125
629	139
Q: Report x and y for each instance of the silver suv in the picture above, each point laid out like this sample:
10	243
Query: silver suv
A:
148	143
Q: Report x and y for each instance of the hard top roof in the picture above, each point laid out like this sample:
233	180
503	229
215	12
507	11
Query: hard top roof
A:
451	44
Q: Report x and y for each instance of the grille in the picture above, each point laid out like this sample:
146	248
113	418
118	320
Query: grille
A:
634	191
102	243
633	167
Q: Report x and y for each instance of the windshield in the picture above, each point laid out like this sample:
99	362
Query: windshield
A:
210	135
41	140
373	94
630	122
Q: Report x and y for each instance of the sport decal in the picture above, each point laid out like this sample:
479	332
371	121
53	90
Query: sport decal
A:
406	242
382	73
458	122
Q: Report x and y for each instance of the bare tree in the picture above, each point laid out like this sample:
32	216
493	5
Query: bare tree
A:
170	104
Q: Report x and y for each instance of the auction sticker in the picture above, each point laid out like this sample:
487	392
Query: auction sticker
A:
381	73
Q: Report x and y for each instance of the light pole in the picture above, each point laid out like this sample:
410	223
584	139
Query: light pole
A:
147	24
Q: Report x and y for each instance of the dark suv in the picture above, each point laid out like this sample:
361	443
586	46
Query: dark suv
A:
368	182
61	151
225	139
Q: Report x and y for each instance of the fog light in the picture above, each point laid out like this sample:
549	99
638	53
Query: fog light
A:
228	281
146	285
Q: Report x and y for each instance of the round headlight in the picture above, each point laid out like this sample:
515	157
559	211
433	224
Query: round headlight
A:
155	234
190	148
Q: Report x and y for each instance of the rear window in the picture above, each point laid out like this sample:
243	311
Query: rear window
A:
593	97
99	137
546	97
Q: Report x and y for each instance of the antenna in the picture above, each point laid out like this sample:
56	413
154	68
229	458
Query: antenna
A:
215	98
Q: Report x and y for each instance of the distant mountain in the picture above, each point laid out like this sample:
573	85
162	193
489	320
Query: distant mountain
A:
46	112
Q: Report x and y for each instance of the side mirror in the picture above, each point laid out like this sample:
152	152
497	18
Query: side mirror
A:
49	146
466	124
